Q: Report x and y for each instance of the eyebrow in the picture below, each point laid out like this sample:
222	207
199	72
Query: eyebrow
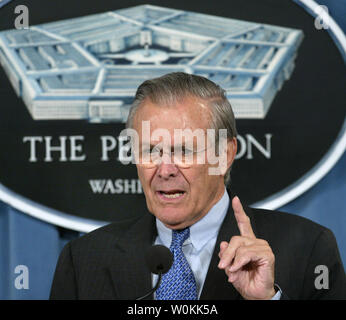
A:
177	146
152	145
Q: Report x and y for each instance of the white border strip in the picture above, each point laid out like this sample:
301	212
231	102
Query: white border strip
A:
279	199
309	179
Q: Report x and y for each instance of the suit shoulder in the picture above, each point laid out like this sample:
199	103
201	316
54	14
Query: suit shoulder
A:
107	233
283	223
299	245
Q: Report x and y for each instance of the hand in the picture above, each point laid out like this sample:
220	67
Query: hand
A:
248	262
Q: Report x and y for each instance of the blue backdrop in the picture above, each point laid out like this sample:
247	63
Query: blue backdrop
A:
36	244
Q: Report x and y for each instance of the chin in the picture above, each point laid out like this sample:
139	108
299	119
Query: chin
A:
171	218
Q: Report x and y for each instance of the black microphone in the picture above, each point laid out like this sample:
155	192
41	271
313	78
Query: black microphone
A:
159	260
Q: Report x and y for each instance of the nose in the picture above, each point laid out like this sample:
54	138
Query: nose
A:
167	169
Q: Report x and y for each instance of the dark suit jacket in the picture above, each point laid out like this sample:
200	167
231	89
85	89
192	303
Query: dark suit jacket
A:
109	263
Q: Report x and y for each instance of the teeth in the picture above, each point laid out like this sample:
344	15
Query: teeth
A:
174	195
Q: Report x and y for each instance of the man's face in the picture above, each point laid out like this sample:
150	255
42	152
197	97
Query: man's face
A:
178	196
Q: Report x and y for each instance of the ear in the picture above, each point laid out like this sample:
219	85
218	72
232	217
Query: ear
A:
231	151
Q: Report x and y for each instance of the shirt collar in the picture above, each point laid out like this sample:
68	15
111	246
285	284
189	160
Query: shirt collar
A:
203	230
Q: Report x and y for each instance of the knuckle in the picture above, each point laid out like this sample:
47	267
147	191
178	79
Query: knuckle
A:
264	242
241	251
272	257
269	255
234	240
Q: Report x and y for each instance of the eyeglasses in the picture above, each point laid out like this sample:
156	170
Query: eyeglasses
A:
150	157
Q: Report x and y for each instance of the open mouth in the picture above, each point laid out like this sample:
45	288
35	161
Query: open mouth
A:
171	194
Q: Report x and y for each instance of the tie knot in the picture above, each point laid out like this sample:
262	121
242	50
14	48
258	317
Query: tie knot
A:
179	236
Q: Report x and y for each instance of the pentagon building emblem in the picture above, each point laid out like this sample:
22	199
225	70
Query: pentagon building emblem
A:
89	67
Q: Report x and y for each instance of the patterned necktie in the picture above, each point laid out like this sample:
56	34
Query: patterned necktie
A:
179	282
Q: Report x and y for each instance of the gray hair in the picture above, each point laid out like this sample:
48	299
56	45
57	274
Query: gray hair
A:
173	87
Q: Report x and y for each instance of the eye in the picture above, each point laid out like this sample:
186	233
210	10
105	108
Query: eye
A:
186	151
155	151
146	151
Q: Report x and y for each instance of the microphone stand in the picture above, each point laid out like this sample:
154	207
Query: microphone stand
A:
153	289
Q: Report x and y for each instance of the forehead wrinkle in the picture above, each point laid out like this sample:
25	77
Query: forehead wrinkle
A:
202	103
205	116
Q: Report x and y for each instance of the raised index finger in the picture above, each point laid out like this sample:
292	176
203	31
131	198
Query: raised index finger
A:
243	220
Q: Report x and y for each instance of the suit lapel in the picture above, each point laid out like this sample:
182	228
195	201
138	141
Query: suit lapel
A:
130	275
216	286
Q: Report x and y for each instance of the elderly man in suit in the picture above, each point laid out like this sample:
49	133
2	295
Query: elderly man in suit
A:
221	249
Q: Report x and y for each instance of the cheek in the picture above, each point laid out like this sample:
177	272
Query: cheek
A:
145	177
197	177
201	181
